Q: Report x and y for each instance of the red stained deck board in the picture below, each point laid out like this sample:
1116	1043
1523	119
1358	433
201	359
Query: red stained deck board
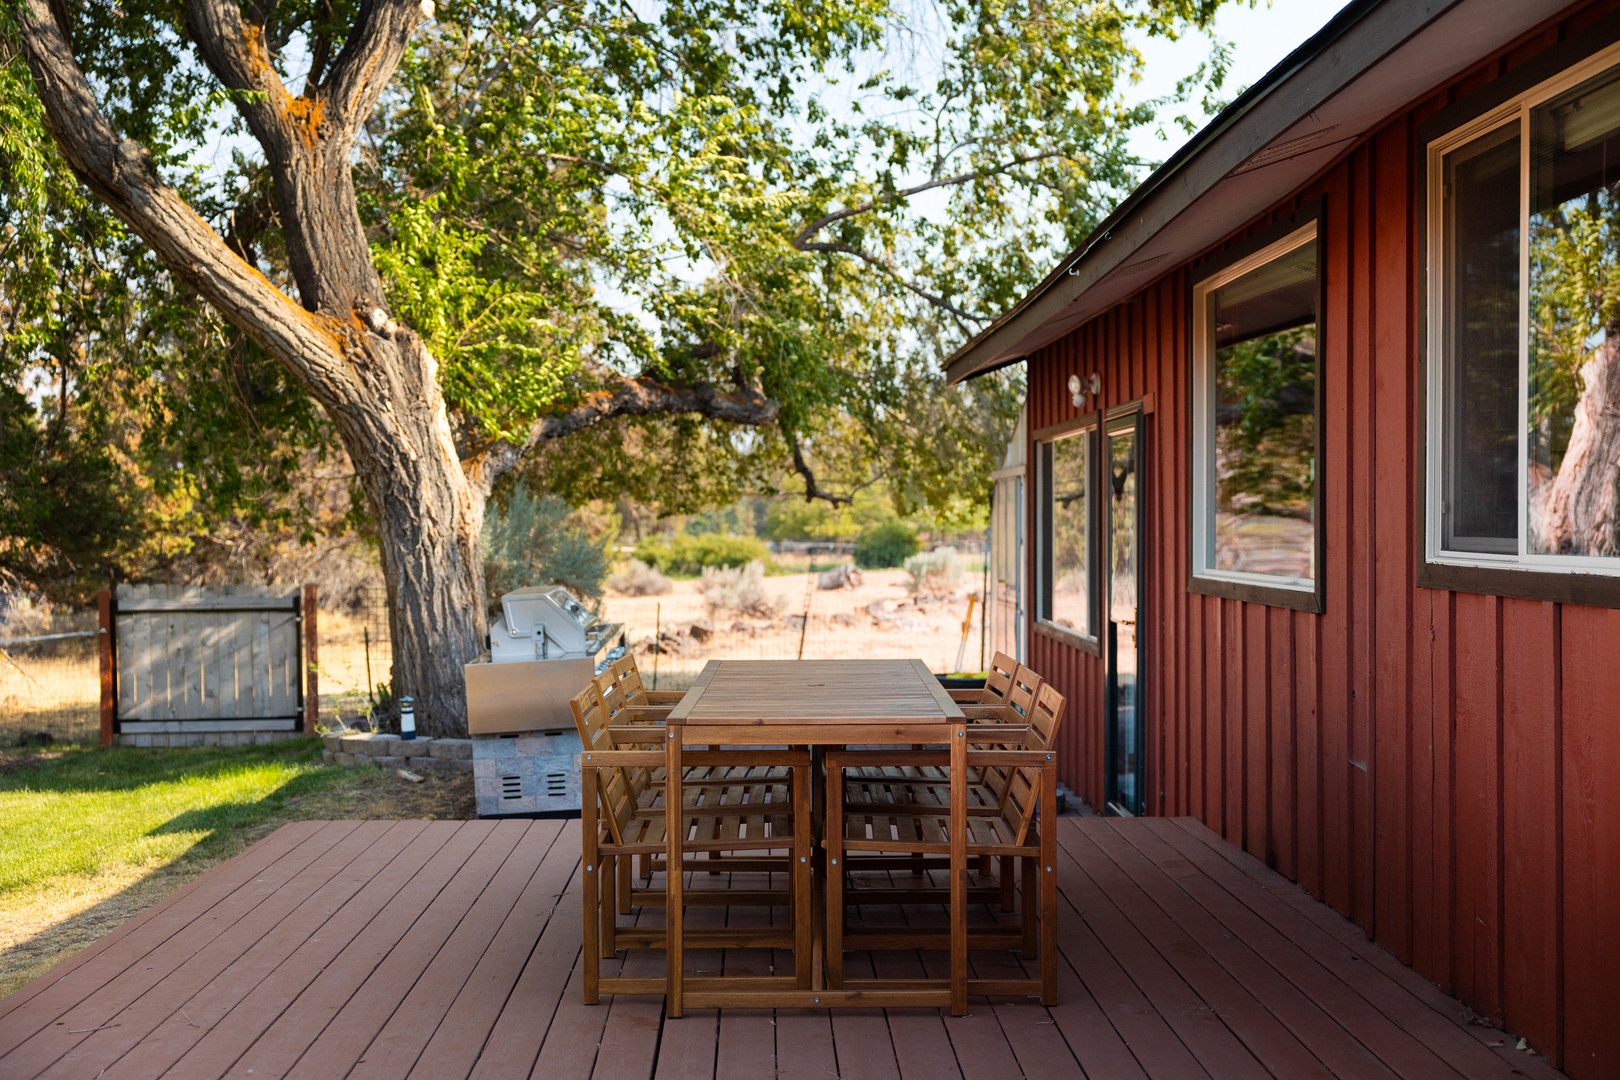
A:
1233	994
1411	1001
1307	1021
188	1021
37	1047
222	1043
462	944
303	1013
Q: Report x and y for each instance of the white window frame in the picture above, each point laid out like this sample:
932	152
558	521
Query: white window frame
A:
1089	432
1515	111
1203	427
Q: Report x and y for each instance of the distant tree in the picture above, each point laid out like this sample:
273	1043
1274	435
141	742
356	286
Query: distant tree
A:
794	196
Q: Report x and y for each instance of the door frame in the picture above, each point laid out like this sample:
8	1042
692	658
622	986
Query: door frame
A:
1132	414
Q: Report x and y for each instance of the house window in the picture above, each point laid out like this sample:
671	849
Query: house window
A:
1524	401
1255	424
1067	477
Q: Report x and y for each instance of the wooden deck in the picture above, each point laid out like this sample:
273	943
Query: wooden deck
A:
451	949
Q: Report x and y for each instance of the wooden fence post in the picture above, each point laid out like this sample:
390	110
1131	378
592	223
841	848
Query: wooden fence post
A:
104	647
312	691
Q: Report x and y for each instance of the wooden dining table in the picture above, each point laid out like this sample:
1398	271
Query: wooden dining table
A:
819	704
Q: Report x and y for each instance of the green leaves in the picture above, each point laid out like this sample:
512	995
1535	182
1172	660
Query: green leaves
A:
813	199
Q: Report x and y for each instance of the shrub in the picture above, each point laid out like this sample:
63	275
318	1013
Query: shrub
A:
888	543
934	571
539	542
639	579
688	556
740	589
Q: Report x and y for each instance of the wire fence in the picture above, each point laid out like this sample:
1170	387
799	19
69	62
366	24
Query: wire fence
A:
355	654
50	671
50	675
882	617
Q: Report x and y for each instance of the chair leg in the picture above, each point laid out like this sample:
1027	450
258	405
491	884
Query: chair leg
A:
1048	875
590	953
608	874
1005	878
833	841
626	885
1028	917
674	865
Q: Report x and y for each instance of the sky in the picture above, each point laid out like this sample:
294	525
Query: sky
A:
1261	36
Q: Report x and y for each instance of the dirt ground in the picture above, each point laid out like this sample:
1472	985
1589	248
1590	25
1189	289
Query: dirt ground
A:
880	619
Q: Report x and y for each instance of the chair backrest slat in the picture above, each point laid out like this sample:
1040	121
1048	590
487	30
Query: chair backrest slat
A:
615	792
1023	787
1023	687
998	683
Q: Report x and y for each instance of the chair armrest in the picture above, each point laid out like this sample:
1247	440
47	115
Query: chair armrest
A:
994	714
975	758
641	714
664	697
614	759
967	697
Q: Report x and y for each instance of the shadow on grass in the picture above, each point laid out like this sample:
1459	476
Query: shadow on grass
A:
45	937
69	769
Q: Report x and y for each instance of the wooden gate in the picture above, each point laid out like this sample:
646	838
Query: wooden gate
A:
183	665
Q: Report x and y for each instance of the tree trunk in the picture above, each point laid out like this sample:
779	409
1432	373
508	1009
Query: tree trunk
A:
1577	512
429	520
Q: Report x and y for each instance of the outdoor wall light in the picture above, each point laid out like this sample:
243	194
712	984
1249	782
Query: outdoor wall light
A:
1078	388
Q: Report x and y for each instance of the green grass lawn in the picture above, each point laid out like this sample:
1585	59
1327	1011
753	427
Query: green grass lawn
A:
92	836
88	810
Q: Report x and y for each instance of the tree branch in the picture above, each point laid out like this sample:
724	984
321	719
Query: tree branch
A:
805	241
625	397
235	50
121	173
368	58
930	184
812	489
890	269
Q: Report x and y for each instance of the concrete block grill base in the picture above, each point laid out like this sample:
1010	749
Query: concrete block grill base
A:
532	773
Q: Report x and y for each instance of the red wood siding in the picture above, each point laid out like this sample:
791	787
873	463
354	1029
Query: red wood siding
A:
1443	768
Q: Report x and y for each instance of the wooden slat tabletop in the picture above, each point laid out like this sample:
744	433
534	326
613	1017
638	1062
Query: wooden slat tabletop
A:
815	691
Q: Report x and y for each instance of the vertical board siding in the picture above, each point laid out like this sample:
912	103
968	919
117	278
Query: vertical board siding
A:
1443	768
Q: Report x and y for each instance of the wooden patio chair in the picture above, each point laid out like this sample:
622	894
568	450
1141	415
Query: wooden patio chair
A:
996	683
628	702
621	681
720	789
1020	829
615	826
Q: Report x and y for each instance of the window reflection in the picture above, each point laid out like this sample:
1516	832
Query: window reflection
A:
1264	400
1573	397
1069	539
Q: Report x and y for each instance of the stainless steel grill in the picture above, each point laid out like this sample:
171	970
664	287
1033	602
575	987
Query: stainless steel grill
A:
544	648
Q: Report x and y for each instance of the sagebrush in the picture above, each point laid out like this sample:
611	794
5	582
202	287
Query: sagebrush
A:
934	571
639	579
740	590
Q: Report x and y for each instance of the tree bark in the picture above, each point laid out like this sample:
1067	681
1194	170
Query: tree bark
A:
1577	511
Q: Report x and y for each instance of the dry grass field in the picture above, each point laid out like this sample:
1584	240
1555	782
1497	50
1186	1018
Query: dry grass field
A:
880	619
58	694
57	691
